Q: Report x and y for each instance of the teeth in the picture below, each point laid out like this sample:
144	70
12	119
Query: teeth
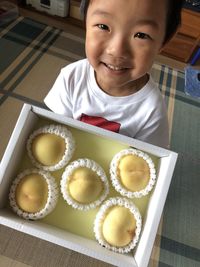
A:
114	67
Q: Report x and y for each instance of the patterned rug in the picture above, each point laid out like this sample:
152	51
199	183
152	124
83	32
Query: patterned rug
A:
31	56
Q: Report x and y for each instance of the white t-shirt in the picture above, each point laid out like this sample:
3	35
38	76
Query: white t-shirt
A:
141	115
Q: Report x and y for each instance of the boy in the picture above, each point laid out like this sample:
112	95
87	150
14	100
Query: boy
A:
112	88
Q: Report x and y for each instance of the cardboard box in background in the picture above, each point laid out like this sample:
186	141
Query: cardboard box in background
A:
139	257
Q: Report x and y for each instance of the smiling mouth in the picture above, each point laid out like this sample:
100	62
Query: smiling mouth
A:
115	68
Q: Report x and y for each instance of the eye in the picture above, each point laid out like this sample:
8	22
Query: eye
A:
142	35
103	27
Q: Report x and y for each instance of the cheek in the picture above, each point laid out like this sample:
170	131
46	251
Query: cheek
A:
90	52
145	55
142	61
93	48
89	42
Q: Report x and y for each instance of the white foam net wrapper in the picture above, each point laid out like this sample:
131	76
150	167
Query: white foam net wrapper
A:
123	202
95	167
51	199
116	180
58	130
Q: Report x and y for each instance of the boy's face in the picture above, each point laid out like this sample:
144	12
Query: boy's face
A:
122	40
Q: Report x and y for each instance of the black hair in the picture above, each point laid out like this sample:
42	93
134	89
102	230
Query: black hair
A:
173	16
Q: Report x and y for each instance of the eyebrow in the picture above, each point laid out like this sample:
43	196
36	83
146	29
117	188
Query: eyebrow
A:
150	22
101	12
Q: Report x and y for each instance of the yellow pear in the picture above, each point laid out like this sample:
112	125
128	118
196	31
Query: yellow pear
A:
119	226
32	193
48	149
85	186
134	172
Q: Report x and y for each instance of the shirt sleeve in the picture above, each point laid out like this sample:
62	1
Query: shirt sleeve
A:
58	98
156	130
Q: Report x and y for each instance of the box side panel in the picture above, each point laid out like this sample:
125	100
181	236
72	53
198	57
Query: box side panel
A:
14	151
155	210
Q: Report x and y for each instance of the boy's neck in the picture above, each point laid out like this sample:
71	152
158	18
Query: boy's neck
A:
130	89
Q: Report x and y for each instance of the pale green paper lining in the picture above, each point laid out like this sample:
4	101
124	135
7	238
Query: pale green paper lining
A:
101	150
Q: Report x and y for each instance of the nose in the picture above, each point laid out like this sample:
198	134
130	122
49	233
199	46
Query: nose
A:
118	46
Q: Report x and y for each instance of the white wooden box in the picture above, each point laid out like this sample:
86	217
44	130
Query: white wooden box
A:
140	256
